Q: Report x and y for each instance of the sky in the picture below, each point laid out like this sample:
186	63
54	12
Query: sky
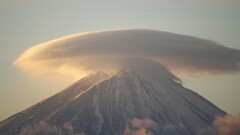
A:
25	23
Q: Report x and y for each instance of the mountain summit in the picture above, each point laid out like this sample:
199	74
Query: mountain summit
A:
130	102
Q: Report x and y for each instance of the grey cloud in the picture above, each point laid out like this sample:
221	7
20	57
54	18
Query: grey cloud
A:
103	50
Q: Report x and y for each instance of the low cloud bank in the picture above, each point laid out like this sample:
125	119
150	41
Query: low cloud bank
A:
79	54
150	127
46	129
140	127
225	125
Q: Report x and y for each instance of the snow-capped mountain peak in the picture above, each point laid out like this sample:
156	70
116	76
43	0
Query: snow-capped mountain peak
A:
126	103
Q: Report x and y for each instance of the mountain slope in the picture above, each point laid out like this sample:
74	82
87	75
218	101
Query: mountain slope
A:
48	107
127	103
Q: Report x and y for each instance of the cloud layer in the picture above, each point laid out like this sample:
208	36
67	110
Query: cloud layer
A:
223	125
140	127
79	54
227	125
44	128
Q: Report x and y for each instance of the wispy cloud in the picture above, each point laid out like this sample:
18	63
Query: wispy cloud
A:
227	125
45	128
76	55
140	127
223	125
42	127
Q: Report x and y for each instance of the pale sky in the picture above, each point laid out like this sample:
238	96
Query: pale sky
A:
25	23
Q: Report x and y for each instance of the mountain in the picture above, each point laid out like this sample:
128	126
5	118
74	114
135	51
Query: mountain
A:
126	103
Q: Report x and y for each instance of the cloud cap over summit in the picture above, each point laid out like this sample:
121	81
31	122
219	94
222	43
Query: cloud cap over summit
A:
78	54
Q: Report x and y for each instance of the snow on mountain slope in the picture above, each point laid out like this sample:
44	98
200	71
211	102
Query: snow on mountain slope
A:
124	104
48	107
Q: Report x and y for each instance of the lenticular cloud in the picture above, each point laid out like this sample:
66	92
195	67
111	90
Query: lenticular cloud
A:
80	54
